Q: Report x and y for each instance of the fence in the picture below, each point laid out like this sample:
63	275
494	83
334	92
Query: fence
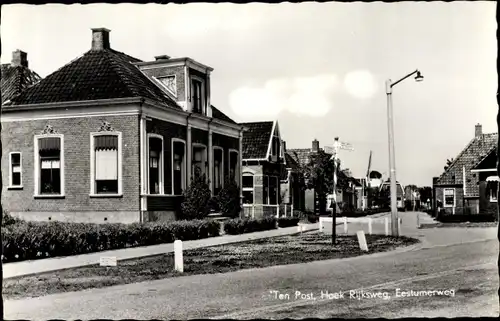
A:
262	210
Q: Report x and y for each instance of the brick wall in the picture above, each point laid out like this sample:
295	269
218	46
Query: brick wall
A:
19	137
459	200
178	71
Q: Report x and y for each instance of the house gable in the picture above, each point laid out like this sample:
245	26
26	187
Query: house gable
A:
256	140
477	149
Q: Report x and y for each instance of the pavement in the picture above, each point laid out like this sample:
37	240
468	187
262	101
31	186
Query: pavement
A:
461	263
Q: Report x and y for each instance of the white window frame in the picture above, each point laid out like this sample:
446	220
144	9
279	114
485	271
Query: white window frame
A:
454	197
158	79
221	172
185	161
161	165
277	181
237	174
493	199
37	166
249	189
202	92
204	161
120	162
265	201
11	185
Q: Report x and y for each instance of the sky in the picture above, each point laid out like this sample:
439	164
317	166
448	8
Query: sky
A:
317	68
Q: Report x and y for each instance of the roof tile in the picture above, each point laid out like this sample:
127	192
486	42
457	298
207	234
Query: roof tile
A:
471	155
256	139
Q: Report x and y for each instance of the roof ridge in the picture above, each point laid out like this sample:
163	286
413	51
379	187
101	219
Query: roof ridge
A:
458	157
485	156
116	69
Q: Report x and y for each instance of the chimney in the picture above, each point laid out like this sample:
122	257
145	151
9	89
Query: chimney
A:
19	58
479	130
315	146
100	39
162	57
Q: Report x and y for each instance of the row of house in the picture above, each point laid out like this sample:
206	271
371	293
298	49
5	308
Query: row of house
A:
109	137
469	185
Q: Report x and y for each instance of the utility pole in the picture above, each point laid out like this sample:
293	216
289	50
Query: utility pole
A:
336	147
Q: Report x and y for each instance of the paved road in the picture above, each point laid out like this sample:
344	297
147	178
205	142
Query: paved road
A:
468	268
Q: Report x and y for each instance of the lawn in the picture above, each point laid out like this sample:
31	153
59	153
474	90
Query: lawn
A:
459	224
281	250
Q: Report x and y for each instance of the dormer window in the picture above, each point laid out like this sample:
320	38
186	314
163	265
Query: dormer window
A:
276	147
169	83
197	96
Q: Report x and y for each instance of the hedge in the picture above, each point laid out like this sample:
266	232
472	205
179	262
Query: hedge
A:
458	218
35	240
249	225
288	221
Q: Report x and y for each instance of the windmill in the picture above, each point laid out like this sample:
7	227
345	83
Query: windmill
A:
367	181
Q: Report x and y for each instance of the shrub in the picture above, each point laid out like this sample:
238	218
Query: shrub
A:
196	199
249	225
7	219
35	240
228	200
288	221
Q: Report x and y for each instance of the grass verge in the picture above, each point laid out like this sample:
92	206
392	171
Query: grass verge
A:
461	224
280	250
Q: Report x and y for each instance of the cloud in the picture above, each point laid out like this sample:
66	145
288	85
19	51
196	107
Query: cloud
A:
303	96
197	20
360	84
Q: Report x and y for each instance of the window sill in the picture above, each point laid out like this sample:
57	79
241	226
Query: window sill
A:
493	201
48	196
105	195
14	187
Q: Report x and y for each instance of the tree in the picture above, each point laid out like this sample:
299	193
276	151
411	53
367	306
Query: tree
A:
448	163
196	203
425	193
318	175
228	199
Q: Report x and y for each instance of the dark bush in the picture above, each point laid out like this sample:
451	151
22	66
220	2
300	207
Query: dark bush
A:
288	221
7	219
476	218
228	199
249	225
196	203
36	240
312	218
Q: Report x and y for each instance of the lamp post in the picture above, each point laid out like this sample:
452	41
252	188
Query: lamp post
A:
392	159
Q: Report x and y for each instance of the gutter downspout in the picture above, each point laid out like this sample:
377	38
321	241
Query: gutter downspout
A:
188	150
210	159
240	171
142	202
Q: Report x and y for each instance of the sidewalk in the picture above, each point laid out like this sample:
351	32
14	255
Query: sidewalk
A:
14	269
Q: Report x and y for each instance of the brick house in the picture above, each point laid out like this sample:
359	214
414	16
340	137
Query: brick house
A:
263	169
16	76
400	192
111	138
469	185
346	195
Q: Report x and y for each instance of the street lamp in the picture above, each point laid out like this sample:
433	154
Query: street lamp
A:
392	160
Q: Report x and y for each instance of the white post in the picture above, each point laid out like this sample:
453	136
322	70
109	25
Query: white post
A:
179	262
253	211
386	219
370	226
291	210
345	224
320	224
418	220
362	241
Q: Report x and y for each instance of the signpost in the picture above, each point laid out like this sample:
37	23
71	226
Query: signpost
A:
335	150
